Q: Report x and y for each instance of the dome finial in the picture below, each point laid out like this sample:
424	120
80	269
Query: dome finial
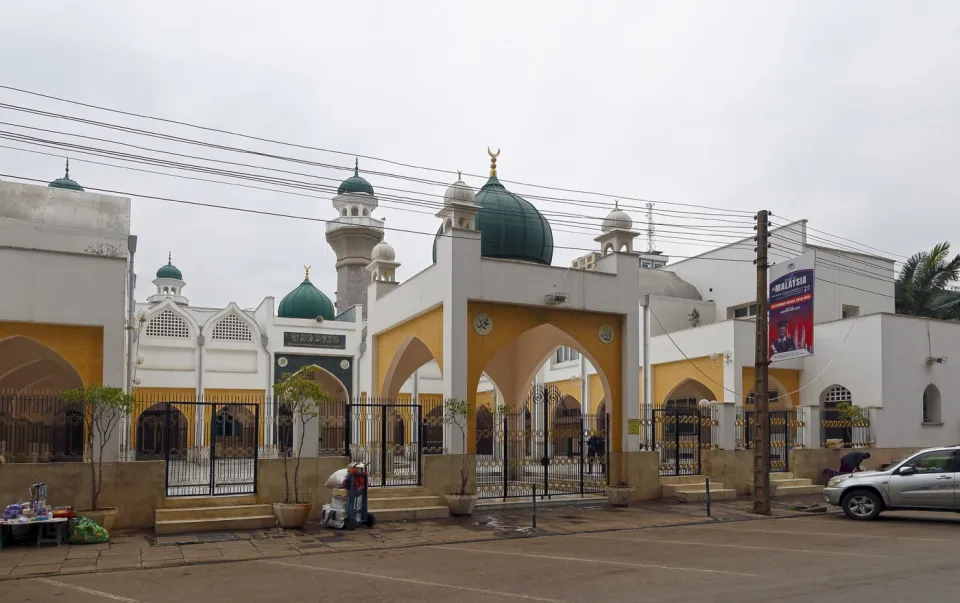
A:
493	161
616	204
169	257
459	175
356	166
66	172
306	276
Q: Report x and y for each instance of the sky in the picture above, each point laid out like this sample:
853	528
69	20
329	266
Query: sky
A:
843	113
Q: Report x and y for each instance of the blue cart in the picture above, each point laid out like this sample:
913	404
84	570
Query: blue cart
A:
349	506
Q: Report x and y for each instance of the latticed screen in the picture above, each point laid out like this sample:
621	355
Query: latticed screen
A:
231	328
168	324
838	394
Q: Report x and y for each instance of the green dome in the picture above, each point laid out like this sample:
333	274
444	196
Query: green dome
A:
355	183
170	271
510	227
66	182
306	301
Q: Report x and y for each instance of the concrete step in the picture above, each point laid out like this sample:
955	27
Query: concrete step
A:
789	483
780	477
406	514
397	492
798	490
218	512
700	495
380	503
179	502
228	524
679	480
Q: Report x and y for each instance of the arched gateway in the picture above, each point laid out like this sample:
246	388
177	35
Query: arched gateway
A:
492	304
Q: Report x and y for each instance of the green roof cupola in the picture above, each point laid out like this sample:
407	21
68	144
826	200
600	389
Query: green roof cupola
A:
511	228
355	183
66	183
306	301
170	271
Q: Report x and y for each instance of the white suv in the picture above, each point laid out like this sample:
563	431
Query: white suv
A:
926	481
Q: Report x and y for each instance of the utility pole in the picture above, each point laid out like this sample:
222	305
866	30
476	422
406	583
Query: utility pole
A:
761	420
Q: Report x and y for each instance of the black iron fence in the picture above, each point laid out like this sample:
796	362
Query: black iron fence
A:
38	427
849	427
678	432
786	433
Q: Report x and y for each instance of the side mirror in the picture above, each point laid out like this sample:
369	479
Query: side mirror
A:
908	470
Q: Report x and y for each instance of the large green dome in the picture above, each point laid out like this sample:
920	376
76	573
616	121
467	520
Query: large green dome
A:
510	227
65	182
355	183
170	271
306	301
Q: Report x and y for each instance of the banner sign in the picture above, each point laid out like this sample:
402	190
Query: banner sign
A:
314	340
791	308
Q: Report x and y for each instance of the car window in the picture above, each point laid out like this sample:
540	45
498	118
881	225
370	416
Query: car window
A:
933	462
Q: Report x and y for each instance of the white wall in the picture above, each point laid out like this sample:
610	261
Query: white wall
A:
847	353
907	342
845	278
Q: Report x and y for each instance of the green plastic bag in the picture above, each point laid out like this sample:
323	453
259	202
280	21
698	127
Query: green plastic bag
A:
87	532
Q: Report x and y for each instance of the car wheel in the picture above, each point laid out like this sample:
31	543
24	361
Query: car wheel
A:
862	505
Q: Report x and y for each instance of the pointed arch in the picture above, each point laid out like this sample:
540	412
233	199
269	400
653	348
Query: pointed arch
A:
411	354
167	319
232	324
688	390
25	364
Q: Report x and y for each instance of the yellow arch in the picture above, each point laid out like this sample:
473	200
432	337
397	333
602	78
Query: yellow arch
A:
81	347
425	330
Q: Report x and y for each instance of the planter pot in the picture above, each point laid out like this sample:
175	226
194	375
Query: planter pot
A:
461	505
291	516
619	496
104	518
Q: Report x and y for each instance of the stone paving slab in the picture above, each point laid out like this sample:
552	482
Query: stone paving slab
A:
143	550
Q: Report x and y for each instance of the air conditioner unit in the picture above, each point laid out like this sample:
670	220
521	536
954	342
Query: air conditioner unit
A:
555	299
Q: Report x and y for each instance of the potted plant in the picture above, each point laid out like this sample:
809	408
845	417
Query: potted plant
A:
457	412
619	495
101	407
304	397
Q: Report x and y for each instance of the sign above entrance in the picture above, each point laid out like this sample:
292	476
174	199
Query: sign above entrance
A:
482	324
605	333
314	340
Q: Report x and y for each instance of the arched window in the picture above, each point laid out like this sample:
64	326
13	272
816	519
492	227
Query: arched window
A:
232	328
344	213
832	397
354	211
366	212
168	324
931	405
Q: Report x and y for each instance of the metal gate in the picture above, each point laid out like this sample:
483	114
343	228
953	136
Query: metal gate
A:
211	448
782	436
387	438
678	436
546	446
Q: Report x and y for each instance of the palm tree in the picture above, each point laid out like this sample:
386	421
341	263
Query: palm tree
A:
921	289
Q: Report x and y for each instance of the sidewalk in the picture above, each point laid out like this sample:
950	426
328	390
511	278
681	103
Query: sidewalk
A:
142	550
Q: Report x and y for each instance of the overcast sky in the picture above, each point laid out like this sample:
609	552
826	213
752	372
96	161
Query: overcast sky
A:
844	113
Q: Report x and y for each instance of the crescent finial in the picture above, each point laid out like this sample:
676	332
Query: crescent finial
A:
492	154
307	270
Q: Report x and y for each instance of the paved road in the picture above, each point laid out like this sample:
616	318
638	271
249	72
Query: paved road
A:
903	557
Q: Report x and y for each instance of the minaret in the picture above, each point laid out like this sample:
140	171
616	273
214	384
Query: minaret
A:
169	284
353	235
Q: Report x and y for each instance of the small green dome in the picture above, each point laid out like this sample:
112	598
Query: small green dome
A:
66	182
170	271
355	183
510	226
306	301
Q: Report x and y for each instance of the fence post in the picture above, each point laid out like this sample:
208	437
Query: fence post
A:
810	415
726	424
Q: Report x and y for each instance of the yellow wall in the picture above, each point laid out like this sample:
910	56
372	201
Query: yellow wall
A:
428	328
485	399
570	388
669	375
82	347
156	398
595	392
790	379
510	322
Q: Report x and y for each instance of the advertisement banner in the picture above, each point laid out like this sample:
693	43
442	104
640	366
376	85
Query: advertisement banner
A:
791	308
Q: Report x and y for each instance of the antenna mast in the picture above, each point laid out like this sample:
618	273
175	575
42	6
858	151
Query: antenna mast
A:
651	247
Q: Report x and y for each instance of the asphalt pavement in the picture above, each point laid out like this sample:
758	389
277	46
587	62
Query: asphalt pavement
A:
823	558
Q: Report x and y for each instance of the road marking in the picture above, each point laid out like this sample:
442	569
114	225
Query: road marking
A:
89	591
600	561
833	534
734	546
367	575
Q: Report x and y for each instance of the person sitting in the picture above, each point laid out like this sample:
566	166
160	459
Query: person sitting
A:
850	463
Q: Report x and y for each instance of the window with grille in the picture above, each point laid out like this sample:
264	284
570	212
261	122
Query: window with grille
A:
232	328
837	394
168	324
